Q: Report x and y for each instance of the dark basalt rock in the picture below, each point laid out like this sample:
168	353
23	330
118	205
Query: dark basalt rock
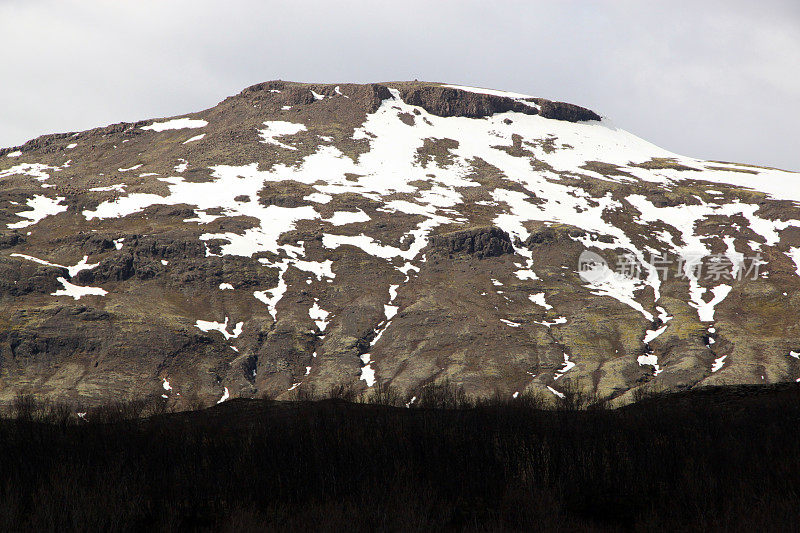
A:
19	277
117	268
289	93
449	102
480	242
9	240
565	111
96	244
553	235
285	193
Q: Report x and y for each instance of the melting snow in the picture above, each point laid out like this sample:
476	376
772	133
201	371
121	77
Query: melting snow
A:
176	124
225	396
77	292
526	275
83	264
340	218
650	360
559	320
568	365
120	187
718	363
34	170
705	310
319	316
653	334
488	91
794	255
195	138
280	128
322	269
271	297
41	207
539	300
318	197
606	282
367	372
222	327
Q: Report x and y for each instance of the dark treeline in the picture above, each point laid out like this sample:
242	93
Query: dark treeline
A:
724	458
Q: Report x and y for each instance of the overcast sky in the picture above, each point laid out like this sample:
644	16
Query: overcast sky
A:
716	80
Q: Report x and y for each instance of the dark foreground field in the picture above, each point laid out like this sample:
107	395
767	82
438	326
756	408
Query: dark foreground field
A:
713	459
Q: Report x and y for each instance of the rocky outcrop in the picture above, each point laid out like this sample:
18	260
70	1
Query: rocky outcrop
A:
19	277
450	102
368	96
479	242
9	240
565	111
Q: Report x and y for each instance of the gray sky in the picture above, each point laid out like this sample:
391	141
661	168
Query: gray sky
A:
713	79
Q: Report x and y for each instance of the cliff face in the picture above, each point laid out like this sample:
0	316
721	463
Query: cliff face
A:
301	236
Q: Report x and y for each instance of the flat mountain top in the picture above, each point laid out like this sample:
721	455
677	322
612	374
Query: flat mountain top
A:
299	237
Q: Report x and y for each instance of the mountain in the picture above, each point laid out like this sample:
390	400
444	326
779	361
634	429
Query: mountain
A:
300	237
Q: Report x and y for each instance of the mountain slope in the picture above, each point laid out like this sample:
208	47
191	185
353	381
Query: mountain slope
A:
301	236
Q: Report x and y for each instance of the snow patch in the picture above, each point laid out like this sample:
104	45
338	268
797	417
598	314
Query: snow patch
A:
225	396
119	187
539	300
319	316
176	124
41	207
77	292
280	128
554	391
195	138
340	218
222	327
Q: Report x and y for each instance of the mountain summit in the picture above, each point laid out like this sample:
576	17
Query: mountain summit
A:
299	237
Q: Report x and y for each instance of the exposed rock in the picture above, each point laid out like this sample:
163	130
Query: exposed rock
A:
19	277
551	235
450	102
9	240
565	111
480	242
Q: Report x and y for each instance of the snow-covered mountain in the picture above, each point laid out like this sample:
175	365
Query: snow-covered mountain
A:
302	236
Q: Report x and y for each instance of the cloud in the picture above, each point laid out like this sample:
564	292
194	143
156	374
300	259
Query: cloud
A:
709	79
